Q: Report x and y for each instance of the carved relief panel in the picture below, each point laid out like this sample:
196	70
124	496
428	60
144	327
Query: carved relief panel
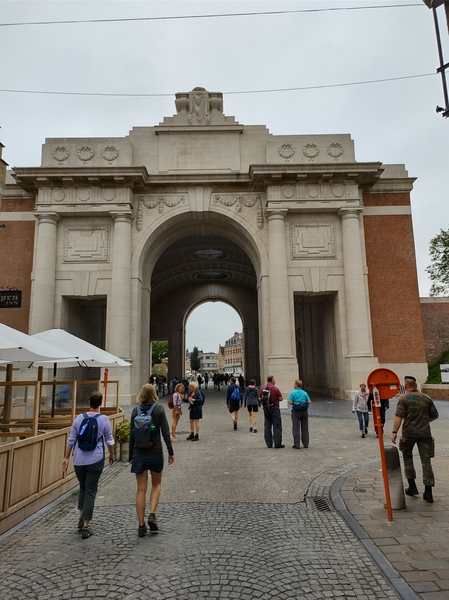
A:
313	240
86	244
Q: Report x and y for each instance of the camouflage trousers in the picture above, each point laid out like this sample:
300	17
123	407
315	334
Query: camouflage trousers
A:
426	451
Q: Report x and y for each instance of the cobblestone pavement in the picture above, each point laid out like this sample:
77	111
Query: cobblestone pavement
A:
237	521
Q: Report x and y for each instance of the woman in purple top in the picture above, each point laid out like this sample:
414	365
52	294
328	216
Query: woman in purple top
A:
89	464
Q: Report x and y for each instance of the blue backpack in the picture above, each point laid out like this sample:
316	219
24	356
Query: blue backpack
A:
236	394
145	431
87	437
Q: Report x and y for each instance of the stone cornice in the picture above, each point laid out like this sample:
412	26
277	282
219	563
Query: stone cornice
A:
393	185
363	174
34	178
216	128
139	180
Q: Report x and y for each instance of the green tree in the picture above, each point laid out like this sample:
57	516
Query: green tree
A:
194	359
439	269
159	351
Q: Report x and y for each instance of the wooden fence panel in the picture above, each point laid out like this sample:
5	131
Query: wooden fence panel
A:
30	475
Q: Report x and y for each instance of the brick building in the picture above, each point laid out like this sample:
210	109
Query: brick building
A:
233	354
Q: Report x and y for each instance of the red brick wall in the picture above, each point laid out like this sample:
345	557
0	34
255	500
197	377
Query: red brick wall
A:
393	282
435	317
16	252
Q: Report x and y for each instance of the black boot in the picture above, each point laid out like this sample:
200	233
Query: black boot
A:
412	490
191	436
428	494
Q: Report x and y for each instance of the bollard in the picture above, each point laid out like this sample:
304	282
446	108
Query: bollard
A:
395	478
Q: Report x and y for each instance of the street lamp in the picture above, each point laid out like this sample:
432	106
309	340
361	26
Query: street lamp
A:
434	4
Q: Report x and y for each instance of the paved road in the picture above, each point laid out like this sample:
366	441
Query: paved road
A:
237	521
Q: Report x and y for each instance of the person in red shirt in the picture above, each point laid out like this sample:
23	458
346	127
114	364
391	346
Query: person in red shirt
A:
272	415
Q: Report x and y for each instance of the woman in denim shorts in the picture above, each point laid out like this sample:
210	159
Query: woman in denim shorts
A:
149	459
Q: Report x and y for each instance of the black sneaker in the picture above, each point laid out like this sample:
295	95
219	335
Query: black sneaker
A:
195	438
152	522
250	428
191	436
85	533
363	435
235	425
366	430
255	430
280	446
142	531
80	525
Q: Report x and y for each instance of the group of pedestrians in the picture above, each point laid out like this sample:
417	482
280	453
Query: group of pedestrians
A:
414	413
269	398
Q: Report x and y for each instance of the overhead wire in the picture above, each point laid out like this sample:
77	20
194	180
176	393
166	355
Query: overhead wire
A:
208	16
234	92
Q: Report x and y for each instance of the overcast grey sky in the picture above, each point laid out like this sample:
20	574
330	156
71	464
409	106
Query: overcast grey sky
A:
391	121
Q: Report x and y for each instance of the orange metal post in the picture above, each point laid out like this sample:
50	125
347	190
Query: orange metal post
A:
106	376
379	429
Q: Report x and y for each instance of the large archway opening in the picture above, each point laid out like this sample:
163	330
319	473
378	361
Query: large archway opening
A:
210	328
196	269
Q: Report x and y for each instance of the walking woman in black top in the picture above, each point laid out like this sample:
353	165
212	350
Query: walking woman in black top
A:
149	459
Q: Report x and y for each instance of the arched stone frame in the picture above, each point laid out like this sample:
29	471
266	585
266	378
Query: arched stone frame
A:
150	243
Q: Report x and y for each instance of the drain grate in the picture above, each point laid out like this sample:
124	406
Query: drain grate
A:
321	504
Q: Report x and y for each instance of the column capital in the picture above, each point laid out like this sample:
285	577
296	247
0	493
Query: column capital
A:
350	213
122	216
276	213
50	217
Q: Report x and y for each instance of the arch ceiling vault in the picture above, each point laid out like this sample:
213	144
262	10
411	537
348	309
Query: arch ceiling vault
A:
196	259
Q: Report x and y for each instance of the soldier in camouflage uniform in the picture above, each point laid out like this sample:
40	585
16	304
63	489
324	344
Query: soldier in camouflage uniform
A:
415	411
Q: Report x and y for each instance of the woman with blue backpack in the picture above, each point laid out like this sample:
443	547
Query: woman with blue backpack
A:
252	404
89	434
234	400
148	421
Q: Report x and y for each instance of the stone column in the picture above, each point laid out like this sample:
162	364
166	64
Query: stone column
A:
281	360
356	303
278	285
43	304
176	355
120	312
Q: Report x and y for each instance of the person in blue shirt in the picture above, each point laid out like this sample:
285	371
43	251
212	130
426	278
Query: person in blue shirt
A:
299	401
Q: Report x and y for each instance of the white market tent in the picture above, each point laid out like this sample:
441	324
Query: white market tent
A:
87	354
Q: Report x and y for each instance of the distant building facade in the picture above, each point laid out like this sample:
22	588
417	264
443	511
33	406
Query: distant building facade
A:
208	362
221	359
233	354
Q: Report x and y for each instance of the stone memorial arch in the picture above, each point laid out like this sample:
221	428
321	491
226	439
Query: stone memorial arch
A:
133	233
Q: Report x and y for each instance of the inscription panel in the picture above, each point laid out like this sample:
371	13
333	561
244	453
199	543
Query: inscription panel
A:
199	151
86	244
313	240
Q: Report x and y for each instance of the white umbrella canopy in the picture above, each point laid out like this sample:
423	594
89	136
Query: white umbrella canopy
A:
87	354
17	347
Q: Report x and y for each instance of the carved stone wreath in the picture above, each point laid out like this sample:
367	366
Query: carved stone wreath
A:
239	202
85	153
286	150
310	150
61	153
110	153
335	149
160	202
